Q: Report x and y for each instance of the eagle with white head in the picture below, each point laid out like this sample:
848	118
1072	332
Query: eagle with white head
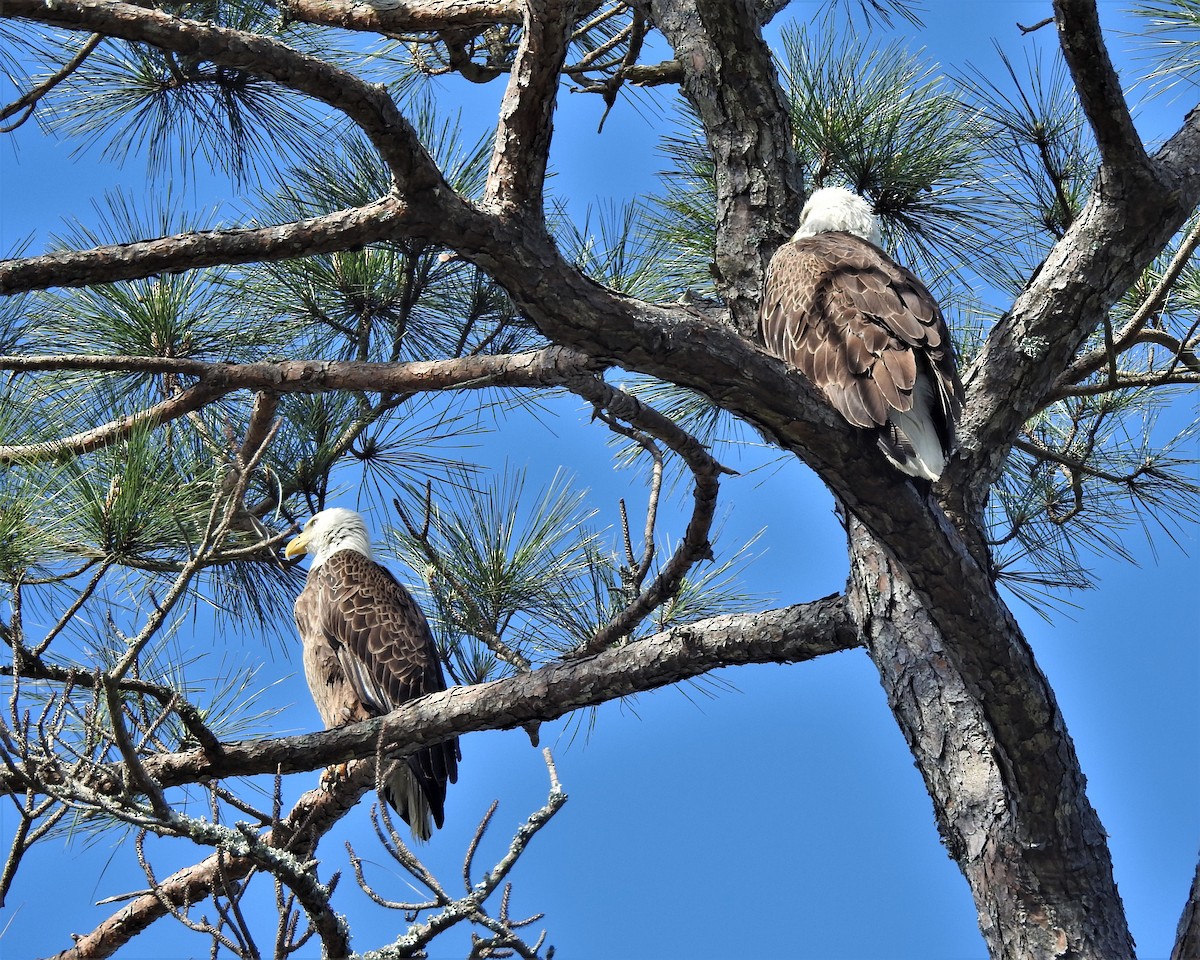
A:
865	332
367	650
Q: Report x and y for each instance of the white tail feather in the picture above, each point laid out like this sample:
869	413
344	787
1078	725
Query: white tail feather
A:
923	447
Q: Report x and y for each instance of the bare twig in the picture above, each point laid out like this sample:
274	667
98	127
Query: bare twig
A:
29	100
1036	26
470	907
639	567
79	601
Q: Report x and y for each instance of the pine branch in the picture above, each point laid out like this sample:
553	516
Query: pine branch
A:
368	105
392	16
1134	327
29	100
129	261
789	634
1100	91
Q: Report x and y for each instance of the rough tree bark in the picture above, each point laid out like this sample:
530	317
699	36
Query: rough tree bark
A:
974	707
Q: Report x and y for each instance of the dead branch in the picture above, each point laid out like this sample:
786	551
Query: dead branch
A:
471	906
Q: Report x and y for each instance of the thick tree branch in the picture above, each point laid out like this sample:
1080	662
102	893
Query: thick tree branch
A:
1009	799
729	78
1099	88
790	634
1187	935
550	367
1120	231
517	175
343	230
403	16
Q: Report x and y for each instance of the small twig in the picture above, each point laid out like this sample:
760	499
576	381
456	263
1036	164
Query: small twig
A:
639	568
694	545
73	609
1036	26
469	859
470	906
1074	464
1155	300
37	669
140	778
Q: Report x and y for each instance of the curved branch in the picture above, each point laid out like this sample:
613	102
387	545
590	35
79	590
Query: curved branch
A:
1128	335
30	99
188	401
694	546
368	105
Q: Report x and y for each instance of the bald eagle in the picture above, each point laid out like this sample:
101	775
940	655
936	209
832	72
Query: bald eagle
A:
368	649
864	331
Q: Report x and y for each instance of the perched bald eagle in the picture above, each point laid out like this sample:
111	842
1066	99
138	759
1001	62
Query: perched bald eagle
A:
864	331
368	649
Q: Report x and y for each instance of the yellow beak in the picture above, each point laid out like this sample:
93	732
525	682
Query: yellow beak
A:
297	547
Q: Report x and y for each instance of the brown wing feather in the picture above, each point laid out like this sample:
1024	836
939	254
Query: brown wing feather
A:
372	650
857	324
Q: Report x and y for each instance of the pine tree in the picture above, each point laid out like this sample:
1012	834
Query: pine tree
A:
386	298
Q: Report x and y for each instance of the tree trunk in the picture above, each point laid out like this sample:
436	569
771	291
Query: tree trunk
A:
1040	894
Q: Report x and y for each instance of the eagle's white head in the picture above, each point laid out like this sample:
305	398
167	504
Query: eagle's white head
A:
328	532
836	209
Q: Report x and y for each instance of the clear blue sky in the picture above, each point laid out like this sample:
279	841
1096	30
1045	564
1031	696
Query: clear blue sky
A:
776	813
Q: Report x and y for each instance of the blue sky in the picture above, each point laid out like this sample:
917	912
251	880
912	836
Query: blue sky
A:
776	811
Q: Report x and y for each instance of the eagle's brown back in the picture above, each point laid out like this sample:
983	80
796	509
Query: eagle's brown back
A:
857	325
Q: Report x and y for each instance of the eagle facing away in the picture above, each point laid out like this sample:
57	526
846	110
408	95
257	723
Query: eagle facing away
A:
368	649
864	331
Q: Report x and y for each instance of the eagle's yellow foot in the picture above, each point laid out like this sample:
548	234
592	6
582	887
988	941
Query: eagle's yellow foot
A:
331	776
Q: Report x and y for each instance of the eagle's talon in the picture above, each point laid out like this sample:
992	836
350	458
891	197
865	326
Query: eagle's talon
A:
332	776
